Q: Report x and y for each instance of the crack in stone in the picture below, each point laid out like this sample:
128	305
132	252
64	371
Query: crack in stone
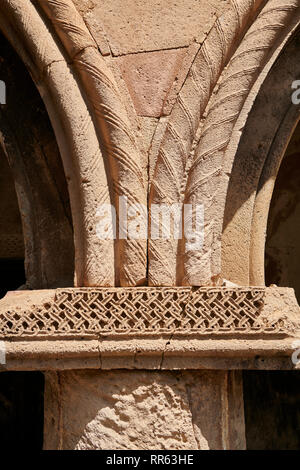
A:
164	350
46	68
151	50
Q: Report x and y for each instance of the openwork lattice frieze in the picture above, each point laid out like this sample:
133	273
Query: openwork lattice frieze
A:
139	311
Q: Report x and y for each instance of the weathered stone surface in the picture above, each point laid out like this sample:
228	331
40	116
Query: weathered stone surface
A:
181	131
149	78
282	243
139	311
136	26
35	215
251	166
177	159
98	33
144	410
151	328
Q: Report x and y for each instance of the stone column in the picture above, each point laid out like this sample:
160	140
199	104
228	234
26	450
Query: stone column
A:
122	409
147	368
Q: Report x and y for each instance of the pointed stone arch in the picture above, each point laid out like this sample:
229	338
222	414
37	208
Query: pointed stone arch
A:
183	128
267	130
90	124
200	133
226	116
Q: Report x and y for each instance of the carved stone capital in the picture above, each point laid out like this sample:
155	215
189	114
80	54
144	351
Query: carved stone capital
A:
146	327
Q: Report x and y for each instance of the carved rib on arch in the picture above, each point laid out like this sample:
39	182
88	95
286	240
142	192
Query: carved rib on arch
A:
113	127
259	49
177	145
75	134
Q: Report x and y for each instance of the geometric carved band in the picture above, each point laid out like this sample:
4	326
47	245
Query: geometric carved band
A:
90	312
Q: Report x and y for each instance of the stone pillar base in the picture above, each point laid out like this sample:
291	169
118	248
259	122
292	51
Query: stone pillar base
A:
144	410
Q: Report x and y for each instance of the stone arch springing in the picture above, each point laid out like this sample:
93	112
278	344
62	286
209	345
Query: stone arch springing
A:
23	27
282	248
73	80
266	134
183	130
28	144
196	141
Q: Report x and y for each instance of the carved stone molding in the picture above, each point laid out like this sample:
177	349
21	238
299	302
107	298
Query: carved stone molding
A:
176	149
192	165
73	125
87	325
116	136
246	265
143	311
227	113
88	126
